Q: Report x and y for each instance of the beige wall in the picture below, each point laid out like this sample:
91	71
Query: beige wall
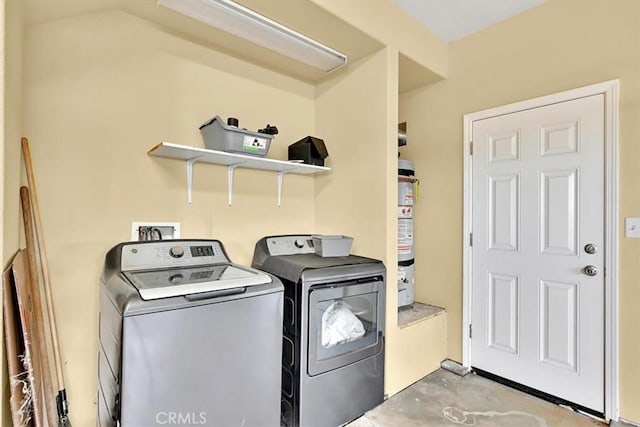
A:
4	407
13	130
357	113
352	198
10	133
385	22
102	89
560	45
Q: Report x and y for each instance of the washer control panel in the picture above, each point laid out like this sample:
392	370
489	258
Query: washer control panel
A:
290	245
167	254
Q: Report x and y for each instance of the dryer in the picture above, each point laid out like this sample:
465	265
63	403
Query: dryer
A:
333	331
187	337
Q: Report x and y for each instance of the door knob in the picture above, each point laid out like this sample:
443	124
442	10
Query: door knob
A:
590	270
591	248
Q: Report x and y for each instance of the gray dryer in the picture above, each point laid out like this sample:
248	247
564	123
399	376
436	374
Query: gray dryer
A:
333	331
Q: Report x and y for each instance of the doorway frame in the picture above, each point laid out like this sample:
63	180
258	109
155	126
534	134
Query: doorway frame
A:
610	89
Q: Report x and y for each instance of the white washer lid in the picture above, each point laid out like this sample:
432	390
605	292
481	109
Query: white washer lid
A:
165	283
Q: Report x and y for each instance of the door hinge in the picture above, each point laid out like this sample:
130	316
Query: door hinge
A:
471	148
470	332
470	239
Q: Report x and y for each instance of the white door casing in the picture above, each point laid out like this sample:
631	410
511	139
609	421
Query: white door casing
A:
535	195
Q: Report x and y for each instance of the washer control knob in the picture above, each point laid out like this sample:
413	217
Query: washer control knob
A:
299	243
176	251
176	278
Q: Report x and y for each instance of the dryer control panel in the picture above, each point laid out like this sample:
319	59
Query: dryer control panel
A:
171	253
290	245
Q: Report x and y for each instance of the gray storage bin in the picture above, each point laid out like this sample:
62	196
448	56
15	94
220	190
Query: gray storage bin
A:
218	135
332	245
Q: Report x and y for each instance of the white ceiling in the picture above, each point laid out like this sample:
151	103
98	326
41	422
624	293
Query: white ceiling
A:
453	19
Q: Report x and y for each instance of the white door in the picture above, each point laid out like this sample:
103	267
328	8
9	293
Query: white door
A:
538	201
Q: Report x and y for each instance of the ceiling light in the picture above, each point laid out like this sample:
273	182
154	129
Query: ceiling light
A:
238	20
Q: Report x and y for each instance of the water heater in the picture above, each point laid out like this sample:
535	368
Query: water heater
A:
406	267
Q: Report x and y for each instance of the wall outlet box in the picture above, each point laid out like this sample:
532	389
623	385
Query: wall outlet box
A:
148	230
632	228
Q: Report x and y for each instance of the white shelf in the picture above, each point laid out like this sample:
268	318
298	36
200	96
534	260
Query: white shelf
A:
194	155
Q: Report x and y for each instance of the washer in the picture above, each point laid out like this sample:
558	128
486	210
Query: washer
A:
333	334
187	338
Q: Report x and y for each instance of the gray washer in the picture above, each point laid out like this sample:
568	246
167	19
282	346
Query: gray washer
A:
208	358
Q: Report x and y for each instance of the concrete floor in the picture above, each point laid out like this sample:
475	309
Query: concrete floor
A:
446	399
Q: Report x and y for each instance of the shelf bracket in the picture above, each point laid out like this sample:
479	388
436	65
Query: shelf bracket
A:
230	169
280	175
190	163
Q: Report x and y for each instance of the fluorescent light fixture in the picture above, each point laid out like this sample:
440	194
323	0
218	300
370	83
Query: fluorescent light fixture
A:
238	20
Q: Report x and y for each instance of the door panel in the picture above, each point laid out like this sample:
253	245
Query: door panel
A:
538	199
504	146
559	324
503	327
560	138
503	215
558	211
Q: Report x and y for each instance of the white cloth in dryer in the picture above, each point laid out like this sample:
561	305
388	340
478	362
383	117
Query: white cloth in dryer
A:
340	325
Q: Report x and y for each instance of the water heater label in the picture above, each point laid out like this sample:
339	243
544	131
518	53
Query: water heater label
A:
405	212
406	196
405	235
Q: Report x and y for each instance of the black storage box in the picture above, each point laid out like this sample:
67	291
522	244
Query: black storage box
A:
310	150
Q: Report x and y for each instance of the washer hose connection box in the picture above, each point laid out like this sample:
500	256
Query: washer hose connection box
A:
220	136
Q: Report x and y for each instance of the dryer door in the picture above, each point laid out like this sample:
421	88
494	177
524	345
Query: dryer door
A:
344	324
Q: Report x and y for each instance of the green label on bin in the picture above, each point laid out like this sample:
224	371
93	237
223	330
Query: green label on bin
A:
254	144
